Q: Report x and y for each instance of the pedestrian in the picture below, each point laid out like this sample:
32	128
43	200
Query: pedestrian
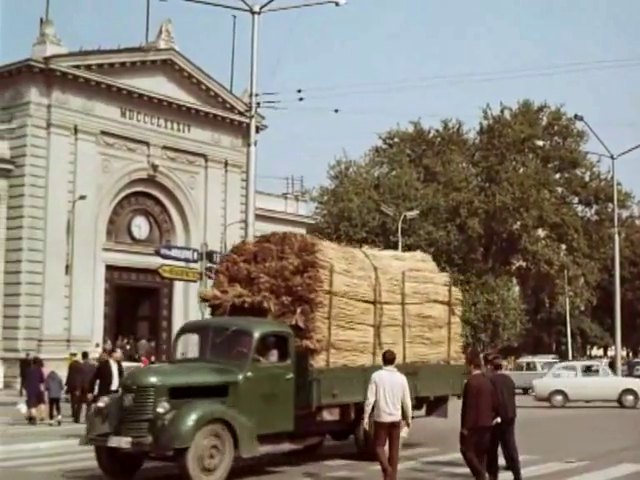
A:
25	363
503	433
74	383
34	387
479	412
54	387
389	397
88	371
108	375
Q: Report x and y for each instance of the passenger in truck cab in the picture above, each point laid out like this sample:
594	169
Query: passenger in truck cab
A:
267	351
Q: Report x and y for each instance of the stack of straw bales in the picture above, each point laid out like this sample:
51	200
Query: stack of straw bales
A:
346	305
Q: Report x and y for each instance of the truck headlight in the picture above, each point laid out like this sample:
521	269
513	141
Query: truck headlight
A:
163	407
102	402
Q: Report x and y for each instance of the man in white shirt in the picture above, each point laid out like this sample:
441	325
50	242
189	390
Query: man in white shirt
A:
389	397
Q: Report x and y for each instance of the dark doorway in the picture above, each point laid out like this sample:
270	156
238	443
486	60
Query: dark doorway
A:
137	311
138	306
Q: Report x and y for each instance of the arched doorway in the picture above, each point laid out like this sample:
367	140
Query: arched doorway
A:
138	301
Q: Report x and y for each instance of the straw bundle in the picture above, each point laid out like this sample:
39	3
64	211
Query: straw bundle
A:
346	305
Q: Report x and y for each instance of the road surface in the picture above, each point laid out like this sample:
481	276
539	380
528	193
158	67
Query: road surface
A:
594	442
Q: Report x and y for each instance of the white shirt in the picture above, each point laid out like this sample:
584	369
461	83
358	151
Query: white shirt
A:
115	378
388	395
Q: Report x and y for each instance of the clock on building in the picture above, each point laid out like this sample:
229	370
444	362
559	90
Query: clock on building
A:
140	227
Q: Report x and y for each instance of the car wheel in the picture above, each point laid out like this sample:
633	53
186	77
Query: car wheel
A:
558	399
525	391
628	399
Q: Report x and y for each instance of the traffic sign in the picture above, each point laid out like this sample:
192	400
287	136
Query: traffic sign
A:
181	274
213	256
181	254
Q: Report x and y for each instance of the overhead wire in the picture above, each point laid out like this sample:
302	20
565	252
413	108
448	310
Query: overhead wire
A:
552	66
446	81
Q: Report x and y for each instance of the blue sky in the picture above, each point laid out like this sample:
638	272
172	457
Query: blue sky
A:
377	61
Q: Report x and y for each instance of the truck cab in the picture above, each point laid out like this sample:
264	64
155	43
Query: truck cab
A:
230	380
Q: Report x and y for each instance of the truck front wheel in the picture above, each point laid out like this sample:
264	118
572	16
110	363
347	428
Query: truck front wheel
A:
211	454
118	465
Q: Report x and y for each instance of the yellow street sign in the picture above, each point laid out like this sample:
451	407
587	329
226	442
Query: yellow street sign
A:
181	274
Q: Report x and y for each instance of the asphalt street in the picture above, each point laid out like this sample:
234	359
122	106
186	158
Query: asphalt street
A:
594	442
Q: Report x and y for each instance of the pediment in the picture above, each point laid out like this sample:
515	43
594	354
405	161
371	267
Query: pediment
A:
166	73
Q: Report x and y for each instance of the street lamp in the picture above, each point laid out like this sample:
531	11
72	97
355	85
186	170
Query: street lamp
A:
409	214
256	10
71	223
617	309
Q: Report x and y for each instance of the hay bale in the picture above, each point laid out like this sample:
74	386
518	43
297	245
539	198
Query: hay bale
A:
345	305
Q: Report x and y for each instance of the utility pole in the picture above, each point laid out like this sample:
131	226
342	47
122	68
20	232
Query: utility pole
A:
233	53
256	11
567	311
617	304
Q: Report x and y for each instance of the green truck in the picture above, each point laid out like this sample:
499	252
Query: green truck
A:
234	385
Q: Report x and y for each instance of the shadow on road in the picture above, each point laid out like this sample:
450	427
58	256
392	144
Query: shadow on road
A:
263	466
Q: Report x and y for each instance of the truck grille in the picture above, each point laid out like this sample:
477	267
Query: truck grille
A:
137	414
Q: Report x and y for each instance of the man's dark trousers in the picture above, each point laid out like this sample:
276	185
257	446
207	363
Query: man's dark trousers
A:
503	435
387	433
474	445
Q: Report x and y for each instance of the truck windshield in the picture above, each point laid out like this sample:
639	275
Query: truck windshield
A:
215	344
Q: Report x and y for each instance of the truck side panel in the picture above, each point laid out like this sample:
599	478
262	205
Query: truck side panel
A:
326	387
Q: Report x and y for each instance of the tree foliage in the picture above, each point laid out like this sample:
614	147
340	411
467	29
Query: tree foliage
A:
514	199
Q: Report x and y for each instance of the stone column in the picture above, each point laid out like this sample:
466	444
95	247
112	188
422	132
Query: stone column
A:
6	167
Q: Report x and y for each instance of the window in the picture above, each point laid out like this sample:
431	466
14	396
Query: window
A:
564	371
530	367
272	348
187	347
590	370
546	366
605	372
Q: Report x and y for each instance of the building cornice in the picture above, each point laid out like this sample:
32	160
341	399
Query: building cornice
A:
88	76
287	216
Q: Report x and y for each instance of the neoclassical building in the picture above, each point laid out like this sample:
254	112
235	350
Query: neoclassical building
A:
105	155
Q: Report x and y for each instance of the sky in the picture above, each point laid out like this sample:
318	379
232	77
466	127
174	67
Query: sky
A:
381	63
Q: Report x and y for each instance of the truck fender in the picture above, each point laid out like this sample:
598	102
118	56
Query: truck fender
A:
182	426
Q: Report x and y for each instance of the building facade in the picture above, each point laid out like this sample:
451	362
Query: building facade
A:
105	155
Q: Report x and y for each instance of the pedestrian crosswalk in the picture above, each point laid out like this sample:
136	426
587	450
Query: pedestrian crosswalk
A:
65	456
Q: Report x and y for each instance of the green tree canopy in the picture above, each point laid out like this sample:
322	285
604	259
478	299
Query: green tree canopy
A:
513	199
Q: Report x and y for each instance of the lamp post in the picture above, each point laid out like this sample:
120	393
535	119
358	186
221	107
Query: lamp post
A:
617	308
71	239
409	214
256	10
567	304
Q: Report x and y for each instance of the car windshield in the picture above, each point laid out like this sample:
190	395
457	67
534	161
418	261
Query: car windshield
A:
215	344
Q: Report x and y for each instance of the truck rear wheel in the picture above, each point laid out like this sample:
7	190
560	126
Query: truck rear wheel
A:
210	455
117	464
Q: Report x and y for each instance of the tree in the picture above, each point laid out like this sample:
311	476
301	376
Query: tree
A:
516	198
492	312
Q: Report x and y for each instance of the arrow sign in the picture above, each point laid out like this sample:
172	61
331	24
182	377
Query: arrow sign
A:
181	274
180	254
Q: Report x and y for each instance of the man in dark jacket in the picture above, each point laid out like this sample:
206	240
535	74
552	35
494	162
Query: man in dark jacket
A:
108	375
88	371
503	433
73	384
25	364
477	417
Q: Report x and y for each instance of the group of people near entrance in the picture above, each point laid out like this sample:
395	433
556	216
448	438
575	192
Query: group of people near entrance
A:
85	381
488	416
